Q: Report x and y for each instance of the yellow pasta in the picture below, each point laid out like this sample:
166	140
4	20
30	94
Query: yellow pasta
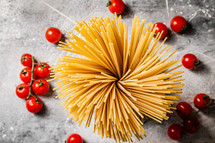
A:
117	81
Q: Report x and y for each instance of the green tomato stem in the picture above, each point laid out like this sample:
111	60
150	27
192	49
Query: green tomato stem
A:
196	112
32	78
20	87
40	83
196	63
184	27
108	3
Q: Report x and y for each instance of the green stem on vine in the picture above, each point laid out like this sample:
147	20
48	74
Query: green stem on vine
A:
40	83
184	27
196	63
36	98
20	87
108	3
43	66
196	112
32	78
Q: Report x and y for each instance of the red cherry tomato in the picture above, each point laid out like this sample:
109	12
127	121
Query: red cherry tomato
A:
178	23
34	105
22	90
40	86
116	6
191	125
159	28
74	138
184	110
175	131
201	100
26	60
42	70
25	75
189	61
53	35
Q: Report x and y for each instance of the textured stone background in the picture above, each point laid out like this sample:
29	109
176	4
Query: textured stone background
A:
22	27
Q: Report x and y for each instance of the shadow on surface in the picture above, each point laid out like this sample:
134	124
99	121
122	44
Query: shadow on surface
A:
188	31
200	135
50	92
201	68
210	111
171	37
63	39
127	11
85	141
43	111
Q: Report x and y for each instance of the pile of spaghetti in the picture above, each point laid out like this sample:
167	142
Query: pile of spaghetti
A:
117	80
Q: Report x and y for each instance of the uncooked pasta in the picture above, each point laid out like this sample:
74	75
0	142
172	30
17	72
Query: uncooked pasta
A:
117	81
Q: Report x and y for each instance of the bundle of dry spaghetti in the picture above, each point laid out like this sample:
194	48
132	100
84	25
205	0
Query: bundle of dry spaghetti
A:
117	80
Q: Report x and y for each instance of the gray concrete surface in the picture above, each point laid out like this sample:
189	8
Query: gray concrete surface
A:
22	27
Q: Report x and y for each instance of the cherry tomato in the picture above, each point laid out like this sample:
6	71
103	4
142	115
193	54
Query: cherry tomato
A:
74	138
159	28
117	6
25	75
191	125
201	100
26	60
184	110
178	23
42	70
22	90
189	61
175	131
34	105
53	35
40	86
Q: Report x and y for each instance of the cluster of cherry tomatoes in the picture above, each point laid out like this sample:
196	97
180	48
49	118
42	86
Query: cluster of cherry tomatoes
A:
190	123
184	110
33	82
177	24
